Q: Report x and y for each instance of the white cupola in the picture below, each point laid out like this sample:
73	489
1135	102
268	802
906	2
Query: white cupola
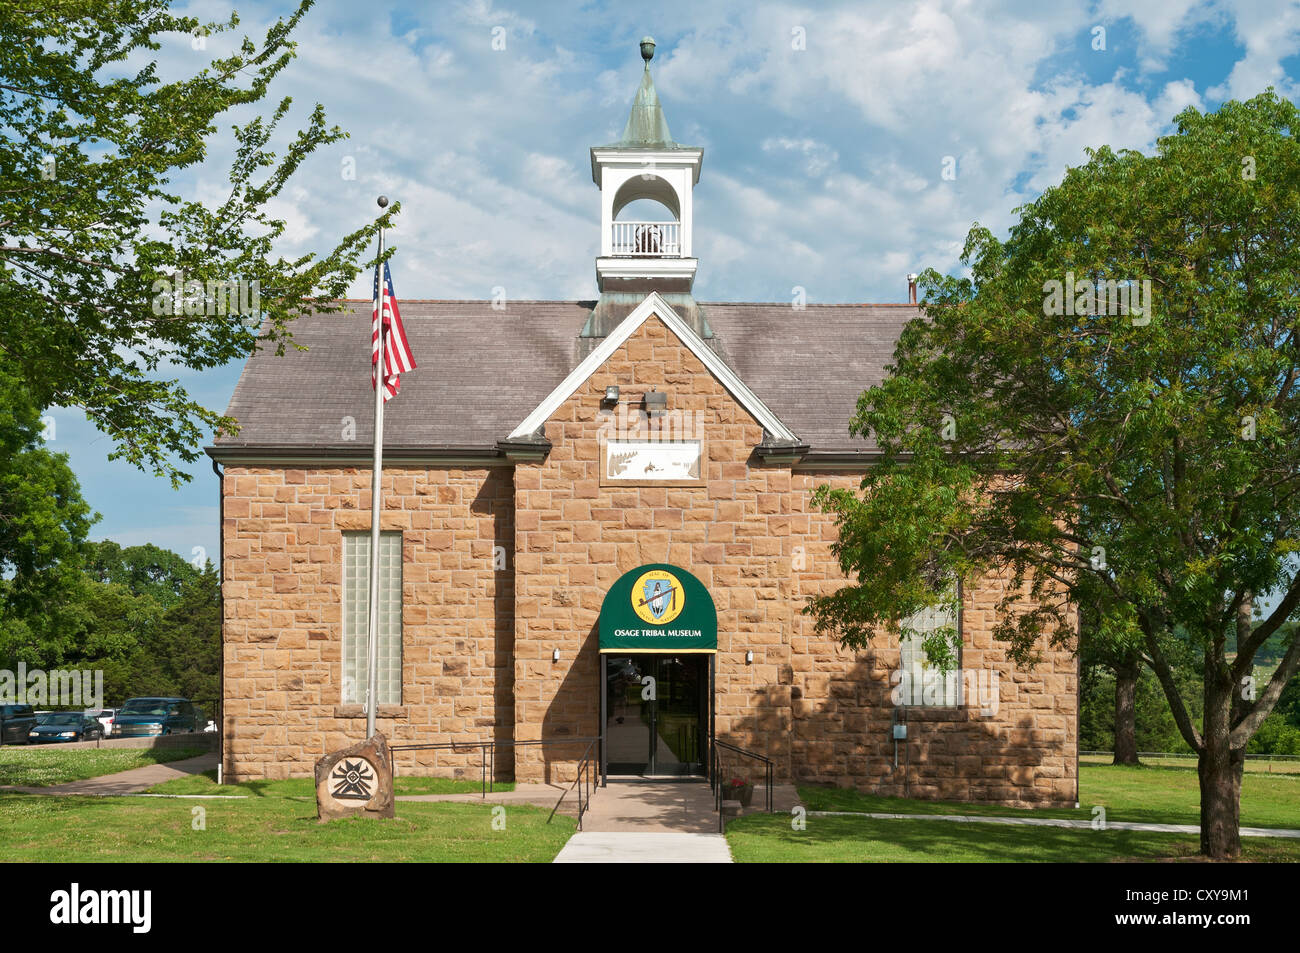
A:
640	253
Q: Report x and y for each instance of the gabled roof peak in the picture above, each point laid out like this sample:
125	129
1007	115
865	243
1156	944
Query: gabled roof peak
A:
655	305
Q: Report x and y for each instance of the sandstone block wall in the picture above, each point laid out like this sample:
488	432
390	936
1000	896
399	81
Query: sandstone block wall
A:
574	538
282	565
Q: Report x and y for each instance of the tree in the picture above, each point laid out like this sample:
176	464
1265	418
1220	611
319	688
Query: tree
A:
1153	725
142	615
148	618
43	518
1054	418
107	272
1115	645
190	646
144	570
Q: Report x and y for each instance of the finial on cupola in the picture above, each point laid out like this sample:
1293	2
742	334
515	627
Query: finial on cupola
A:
647	49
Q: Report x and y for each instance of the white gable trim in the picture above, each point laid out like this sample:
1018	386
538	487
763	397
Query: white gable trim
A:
654	304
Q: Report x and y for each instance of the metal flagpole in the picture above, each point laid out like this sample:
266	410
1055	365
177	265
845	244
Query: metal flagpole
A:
376	503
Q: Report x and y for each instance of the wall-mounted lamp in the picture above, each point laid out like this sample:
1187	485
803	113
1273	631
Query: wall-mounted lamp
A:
749	657
611	396
656	402
555	655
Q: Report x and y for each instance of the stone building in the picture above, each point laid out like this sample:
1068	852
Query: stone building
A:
597	525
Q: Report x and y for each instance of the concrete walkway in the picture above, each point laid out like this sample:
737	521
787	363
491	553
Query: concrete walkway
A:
646	806
652	807
126	782
635	822
1058	822
642	847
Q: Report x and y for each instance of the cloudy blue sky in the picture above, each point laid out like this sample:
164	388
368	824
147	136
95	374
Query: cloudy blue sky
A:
825	130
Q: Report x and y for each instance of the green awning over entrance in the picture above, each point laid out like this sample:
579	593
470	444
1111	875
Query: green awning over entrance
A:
658	608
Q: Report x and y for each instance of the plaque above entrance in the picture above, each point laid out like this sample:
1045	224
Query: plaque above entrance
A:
658	608
652	462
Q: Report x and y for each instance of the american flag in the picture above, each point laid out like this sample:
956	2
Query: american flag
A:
397	352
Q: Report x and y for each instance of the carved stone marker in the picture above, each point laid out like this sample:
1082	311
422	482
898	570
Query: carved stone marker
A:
355	782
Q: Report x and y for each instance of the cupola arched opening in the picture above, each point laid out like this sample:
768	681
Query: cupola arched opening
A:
648	187
652	225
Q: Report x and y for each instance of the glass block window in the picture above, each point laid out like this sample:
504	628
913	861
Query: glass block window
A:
922	683
356	609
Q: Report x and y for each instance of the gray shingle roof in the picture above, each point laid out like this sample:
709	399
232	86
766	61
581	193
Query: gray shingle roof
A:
810	366
482	371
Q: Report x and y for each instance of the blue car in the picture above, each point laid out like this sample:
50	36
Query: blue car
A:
57	726
150	717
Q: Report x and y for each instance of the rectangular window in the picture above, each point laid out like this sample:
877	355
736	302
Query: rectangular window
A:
356	610
922	683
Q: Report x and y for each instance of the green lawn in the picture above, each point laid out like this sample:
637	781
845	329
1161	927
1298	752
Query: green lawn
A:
268	828
206	783
1168	795
769	838
1260	765
1161	795
45	766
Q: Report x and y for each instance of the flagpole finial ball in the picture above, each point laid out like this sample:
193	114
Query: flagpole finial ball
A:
647	48
382	201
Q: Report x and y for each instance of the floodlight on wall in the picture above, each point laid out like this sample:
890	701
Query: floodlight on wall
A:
656	402
555	655
749	657
611	395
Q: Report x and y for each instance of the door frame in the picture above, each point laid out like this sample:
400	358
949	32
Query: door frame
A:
709	680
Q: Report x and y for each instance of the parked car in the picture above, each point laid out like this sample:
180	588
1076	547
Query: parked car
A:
16	723
104	716
66	726
202	720
149	717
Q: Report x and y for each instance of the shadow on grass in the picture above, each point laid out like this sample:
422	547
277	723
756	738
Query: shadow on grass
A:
1153	794
204	783
765	839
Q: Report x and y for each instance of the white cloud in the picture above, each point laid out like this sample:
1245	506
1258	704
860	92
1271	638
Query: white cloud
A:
818	157
823	165
1270	32
1161	25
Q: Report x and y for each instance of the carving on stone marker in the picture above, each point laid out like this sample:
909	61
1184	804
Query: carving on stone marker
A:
353	780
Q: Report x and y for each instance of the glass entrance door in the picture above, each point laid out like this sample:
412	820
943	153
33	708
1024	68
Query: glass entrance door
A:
627	713
677	721
656	714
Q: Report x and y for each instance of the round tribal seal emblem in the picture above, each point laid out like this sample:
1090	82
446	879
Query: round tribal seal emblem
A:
657	597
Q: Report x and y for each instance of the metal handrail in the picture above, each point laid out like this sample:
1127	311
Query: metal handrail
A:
715	780
488	763
457	746
584	767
